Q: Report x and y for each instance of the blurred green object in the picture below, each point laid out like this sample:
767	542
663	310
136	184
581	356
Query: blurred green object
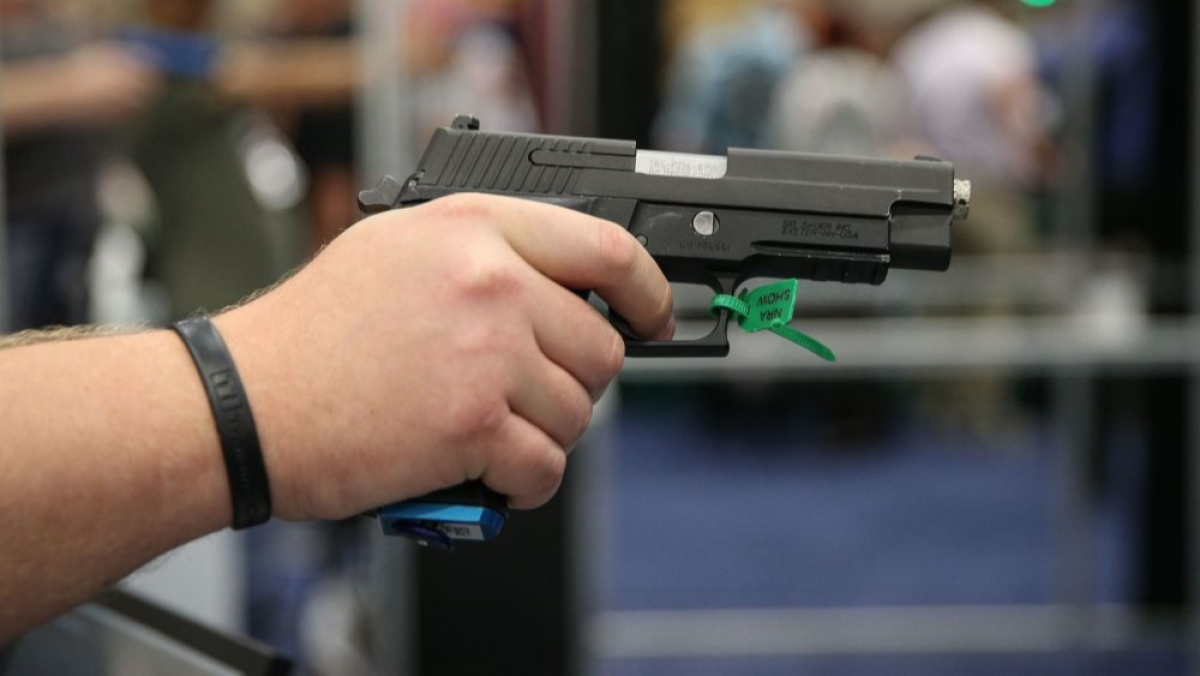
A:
1038	3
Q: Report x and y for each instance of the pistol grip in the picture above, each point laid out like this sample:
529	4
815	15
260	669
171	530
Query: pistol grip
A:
469	512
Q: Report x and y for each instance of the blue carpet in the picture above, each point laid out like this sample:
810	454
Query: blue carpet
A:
705	518
1147	662
708	519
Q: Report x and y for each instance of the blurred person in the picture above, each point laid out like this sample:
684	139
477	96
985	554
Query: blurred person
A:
486	73
217	239
842	97
64	99
227	184
724	71
466	56
972	74
362	391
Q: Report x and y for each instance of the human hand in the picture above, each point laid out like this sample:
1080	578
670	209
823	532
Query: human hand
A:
436	345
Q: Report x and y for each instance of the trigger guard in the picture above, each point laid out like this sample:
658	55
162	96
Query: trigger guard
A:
714	344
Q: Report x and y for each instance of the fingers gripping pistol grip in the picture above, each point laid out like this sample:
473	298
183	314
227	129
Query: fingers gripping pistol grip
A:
392	194
472	512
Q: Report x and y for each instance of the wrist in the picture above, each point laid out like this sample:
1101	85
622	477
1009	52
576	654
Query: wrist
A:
193	478
274	397
249	488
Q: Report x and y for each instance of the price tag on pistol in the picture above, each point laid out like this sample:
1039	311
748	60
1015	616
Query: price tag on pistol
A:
771	308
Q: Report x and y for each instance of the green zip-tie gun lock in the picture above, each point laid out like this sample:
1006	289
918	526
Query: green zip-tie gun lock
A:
770	308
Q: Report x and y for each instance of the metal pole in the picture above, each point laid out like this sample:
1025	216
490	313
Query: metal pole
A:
590	532
1074	388
1075	223
1074	409
570	69
1193	431
386	144
386	104
571	83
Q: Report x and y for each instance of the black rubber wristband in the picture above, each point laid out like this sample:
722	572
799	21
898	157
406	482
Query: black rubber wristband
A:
248	485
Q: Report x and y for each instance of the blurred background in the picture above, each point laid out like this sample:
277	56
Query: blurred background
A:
996	477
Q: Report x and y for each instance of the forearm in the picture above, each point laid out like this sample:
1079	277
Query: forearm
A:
37	95
361	396
311	71
108	458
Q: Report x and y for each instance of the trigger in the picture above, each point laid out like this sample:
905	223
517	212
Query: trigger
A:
618	322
